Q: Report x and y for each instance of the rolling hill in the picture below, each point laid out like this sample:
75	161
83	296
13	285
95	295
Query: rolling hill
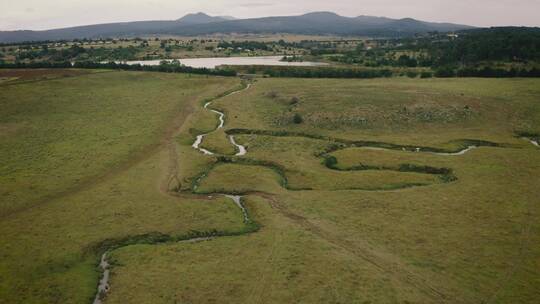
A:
317	23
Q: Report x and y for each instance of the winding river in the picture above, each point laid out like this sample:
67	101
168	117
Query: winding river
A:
199	140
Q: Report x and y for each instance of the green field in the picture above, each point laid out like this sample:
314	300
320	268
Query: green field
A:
350	195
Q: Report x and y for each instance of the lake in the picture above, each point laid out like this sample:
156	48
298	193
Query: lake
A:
212	63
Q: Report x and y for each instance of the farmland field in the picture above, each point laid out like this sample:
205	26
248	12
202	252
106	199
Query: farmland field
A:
352	191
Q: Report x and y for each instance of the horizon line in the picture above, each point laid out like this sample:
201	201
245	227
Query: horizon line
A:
258	17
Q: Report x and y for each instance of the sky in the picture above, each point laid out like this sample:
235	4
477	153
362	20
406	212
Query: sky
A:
47	14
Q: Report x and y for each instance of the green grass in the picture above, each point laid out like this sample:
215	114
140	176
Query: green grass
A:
68	131
85	164
365	235
224	178
283	263
403	111
218	142
375	227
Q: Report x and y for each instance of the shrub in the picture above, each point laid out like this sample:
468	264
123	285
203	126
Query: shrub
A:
412	74
297	119
272	94
445	72
330	162
426	75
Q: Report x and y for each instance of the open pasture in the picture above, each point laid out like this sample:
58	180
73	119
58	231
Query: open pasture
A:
352	191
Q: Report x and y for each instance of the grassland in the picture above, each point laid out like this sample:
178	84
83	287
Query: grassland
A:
84	163
348	211
365	231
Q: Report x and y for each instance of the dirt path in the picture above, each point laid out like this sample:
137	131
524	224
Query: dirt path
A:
383	261
26	77
134	159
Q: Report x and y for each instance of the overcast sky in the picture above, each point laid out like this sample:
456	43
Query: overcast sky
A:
46	14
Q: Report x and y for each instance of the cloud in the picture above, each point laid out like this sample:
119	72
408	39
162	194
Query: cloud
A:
256	4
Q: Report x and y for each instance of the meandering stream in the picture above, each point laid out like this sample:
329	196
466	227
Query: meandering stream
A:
103	286
462	152
199	140
419	150
241	149
237	199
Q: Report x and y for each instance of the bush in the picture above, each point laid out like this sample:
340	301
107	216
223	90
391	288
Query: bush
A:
297	119
445	72
426	75
330	162
412	74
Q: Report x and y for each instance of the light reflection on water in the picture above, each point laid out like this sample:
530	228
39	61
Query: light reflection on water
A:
211	63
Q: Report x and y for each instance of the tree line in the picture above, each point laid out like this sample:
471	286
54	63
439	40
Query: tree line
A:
282	71
165	67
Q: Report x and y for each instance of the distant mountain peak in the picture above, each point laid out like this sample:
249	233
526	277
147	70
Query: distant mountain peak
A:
315	23
197	15
408	20
321	14
199	18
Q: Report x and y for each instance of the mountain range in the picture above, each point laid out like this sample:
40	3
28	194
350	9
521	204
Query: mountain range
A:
317	23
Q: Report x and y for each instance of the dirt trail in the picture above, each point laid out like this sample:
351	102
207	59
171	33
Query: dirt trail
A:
31	76
395	268
134	159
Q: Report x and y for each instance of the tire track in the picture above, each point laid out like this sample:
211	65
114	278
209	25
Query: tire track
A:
397	270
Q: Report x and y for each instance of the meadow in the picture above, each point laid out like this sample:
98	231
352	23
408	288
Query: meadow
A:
85	160
357	191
